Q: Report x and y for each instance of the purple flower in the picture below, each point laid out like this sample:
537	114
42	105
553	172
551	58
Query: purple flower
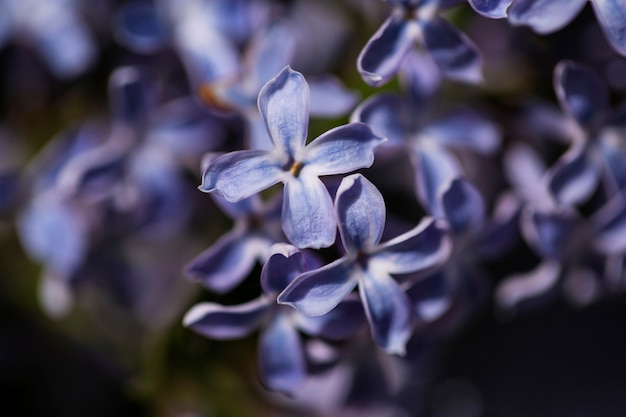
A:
369	264
495	9
308	219
547	16
418	21
282	362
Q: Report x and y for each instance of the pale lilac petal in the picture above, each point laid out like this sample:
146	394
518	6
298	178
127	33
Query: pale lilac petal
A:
317	292
282	365
434	167
227	322
420	75
549	233
613	153
360	212
241	174
388	310
582	93
342	149
308	213
495	9
465	129
339	323
455	54
431	297
528	285
382	55
383	114
611	16
284	105
284	263
574	178
463	206
330	98
270	51
525	171
609	226
425	246
228	262
544	16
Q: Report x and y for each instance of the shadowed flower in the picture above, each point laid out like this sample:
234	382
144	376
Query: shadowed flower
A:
368	264
308	219
282	362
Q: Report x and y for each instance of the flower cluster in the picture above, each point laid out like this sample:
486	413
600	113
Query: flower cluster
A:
352	182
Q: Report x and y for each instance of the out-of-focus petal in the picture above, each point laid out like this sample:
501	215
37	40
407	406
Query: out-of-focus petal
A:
463	206
495	9
342	149
139	28
524	286
434	167
240	174
360	212
611	147
282	365
308	213
383	114
549	233
574	178
285	262
525	171
317	292
609	226
582	93
425	246
129	94
226	322
284	105
339	323
420	75
544	16
502	232
454	53
270	51
464	129
330	98
430	296
382	55
612	19
228	262
388	310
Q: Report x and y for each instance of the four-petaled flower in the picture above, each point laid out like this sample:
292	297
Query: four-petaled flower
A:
307	216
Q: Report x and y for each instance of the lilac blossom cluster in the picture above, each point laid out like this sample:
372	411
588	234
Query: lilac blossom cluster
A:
372	210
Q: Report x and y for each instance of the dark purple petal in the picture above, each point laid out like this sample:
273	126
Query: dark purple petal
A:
282	365
383	114
613	154
308	217
612	19
342	149
544	16
285	263
425	246
129	95
382	55
524	286
360	212
434	168
241	174
228	262
284	105
582	93
502	232
139	28
454	53
550	233
494	9
463	206
317	292
388	311
431	297
609	226
339	323
216	321
574	178
465	129
525	171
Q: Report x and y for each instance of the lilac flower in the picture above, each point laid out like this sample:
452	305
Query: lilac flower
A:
368	264
282	363
427	140
494	9
308	219
547	16
229	261
418	21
